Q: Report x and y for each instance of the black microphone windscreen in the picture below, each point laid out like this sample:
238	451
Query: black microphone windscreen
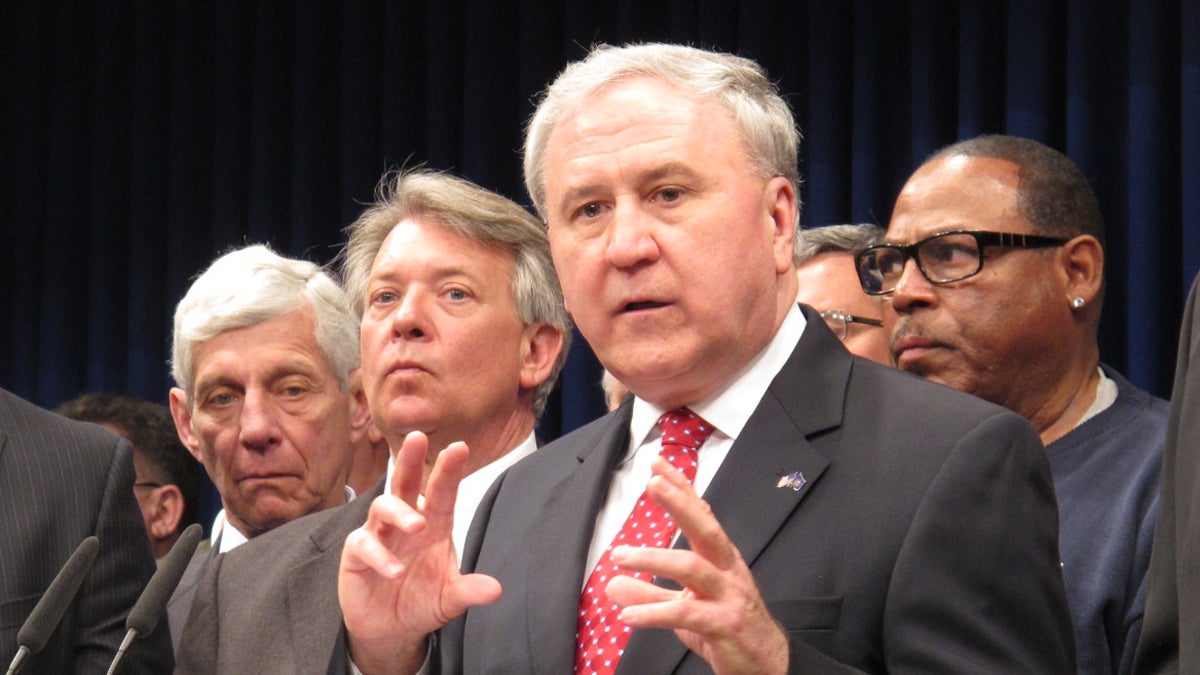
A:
149	608
58	596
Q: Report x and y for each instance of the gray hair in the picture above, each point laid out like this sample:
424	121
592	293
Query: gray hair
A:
737	84
812	242
253	285
479	215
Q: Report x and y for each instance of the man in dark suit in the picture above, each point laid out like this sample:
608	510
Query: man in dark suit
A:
167	479
854	519
463	335
1170	641
60	482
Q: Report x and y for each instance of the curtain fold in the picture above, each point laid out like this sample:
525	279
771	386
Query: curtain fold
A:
143	138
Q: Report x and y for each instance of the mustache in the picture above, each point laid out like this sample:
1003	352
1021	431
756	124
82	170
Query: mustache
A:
903	330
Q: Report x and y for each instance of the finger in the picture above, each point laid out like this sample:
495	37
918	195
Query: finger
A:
364	553
466	591
392	521
442	490
692	515
410	467
626	590
686	568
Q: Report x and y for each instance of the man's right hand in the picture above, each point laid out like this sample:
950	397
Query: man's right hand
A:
399	579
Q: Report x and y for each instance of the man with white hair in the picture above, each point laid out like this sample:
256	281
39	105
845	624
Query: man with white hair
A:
853	518
265	356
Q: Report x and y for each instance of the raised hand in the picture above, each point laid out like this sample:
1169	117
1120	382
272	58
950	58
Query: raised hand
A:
399	579
719	614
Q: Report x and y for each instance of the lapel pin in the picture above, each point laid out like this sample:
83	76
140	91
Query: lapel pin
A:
792	480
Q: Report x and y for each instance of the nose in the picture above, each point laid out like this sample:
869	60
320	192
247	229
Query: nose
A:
913	290
410	320
259	427
631	236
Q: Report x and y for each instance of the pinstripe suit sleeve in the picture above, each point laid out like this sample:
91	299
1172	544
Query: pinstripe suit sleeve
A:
120	573
61	481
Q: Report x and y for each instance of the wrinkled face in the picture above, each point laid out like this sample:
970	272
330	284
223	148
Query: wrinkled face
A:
1000	334
671	250
442	345
268	421
828	282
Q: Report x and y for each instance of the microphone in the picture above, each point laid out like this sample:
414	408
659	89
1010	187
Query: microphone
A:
150	605
49	610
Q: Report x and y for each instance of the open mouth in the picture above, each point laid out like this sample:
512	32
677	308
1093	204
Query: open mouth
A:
643	304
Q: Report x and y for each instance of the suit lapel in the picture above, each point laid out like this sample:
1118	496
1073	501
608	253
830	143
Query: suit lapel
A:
806	397
314	617
561	551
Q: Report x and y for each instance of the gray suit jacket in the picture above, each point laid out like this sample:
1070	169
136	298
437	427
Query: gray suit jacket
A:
60	482
923	540
180	604
1170	641
270	605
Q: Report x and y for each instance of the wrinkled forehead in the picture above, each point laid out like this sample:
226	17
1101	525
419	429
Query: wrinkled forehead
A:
957	193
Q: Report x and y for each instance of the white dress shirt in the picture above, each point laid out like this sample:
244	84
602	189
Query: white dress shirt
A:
727	411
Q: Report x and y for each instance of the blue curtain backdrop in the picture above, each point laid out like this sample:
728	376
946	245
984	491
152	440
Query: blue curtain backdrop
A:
142	138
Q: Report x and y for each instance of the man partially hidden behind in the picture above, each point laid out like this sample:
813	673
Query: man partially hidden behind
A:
167	479
854	518
994	264
828	282
265	356
60	482
463	335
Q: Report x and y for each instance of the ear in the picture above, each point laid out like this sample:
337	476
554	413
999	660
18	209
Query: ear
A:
780	202
183	422
540	348
360	412
1083	268
166	512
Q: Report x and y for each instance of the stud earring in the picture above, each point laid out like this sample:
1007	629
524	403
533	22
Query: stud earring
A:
1077	303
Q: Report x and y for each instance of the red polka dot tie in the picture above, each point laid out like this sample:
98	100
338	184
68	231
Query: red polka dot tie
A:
600	636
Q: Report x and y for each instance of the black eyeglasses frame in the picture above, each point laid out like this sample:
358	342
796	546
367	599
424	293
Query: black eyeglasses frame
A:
983	239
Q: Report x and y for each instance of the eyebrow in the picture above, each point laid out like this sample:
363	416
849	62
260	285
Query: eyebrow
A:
653	174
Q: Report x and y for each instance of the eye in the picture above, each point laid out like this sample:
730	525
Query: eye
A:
590	210
293	390
670	195
457	294
221	398
384	298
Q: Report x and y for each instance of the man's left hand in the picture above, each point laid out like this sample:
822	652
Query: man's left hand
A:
719	614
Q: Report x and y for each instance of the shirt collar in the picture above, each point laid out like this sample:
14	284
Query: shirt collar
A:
729	409
483	477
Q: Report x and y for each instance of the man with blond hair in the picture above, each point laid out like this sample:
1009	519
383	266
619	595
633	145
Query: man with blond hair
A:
463	336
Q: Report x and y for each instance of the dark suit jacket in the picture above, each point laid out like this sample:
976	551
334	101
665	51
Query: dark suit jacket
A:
270	605
60	482
1170	641
924	540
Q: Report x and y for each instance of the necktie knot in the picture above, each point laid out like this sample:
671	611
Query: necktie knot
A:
683	432
684	427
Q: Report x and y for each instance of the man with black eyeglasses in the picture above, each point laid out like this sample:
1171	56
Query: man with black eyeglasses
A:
994	264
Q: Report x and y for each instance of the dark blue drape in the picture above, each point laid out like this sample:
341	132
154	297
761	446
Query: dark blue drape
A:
141	138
